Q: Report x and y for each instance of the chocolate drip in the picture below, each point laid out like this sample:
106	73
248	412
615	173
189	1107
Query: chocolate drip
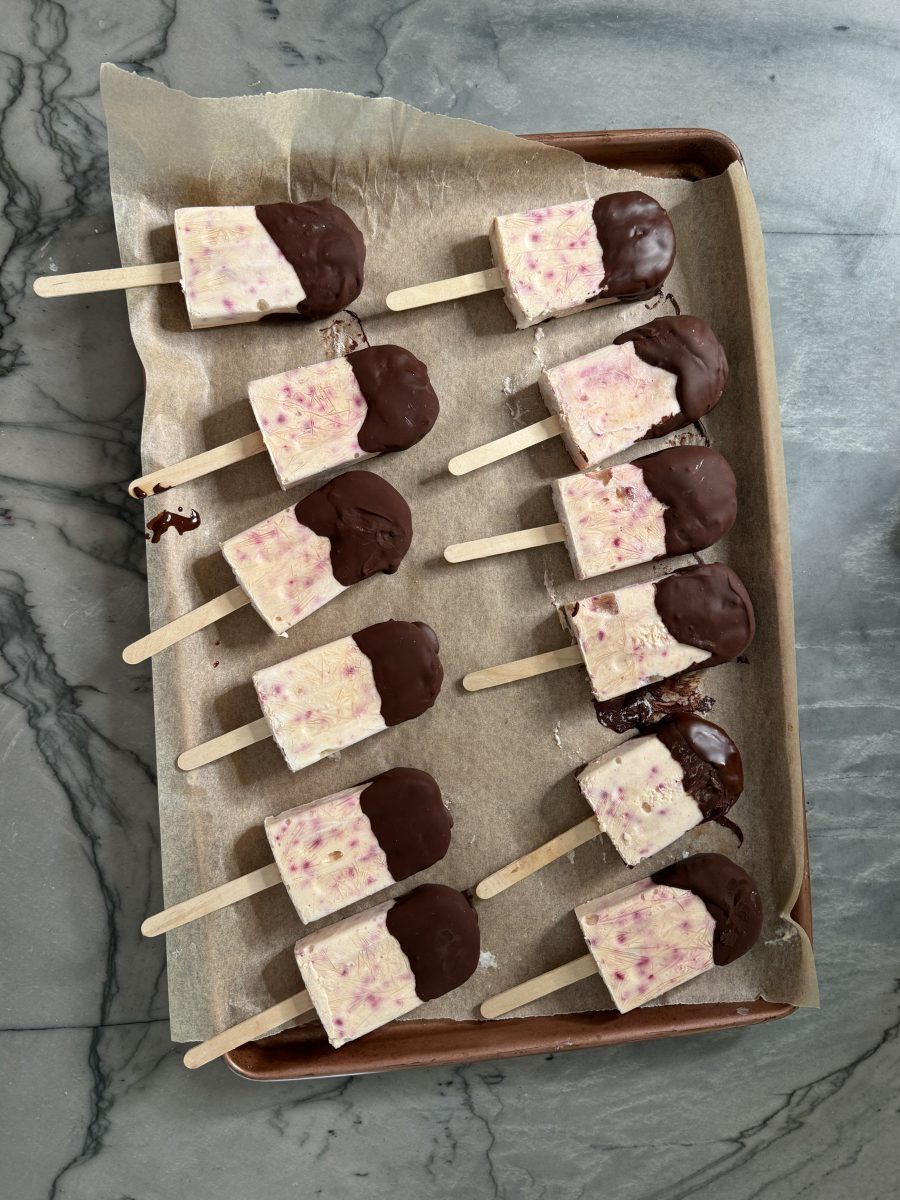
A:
179	521
408	818
687	348
707	607
325	249
437	929
405	663
638	244
651	704
401	405
367	522
712	771
700	493
730	896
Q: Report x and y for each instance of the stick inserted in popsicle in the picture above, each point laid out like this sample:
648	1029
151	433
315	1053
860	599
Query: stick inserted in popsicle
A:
338	850
551	262
645	795
652	380
240	263
290	565
371	968
673	502
336	695
653	935
312	419
698	616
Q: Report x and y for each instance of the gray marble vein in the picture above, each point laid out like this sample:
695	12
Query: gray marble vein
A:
95	1102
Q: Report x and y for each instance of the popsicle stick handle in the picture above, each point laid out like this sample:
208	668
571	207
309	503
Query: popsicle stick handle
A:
444	289
164	478
529	864
225	744
512	443
523	668
182	627
249	1030
504	543
211	901
536	989
112	280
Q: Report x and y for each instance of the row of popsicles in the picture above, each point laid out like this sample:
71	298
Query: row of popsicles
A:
652	380
368	969
333	696
673	502
241	263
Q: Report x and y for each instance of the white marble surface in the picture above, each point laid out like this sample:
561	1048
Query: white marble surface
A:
95	1102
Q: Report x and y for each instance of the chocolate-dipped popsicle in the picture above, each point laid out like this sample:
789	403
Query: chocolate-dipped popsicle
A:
650	631
565	258
336	695
290	565
653	935
645	794
240	263
643	633
673	502
331	414
653	379
338	850
371	968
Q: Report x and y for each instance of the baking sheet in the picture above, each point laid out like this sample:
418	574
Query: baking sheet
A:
423	189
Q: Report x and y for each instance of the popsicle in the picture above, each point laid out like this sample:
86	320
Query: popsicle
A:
651	381
240	263
338	850
554	261
312	419
331	697
646	632
650	936
290	565
673	502
645	794
371	968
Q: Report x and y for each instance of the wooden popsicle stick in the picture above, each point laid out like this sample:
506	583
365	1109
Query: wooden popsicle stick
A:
164	478
167	635
512	443
530	863
523	668
444	289
249	1030
83	282
535	989
225	744
211	901
504	543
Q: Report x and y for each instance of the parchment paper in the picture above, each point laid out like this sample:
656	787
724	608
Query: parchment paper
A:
423	189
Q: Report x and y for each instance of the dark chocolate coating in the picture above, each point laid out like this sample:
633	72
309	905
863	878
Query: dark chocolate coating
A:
700	491
401	405
712	771
325	249
687	348
405	663
367	522
638	244
408	818
730	896
437	929
708	607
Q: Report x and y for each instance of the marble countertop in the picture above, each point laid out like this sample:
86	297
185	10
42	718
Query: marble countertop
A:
94	1098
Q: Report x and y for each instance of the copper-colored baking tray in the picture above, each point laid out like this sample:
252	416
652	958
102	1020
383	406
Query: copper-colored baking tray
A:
304	1053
